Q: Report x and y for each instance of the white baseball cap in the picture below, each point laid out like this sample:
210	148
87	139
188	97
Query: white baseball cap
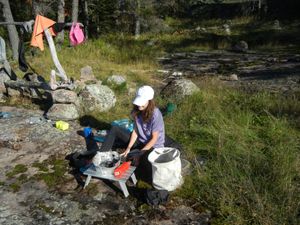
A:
143	95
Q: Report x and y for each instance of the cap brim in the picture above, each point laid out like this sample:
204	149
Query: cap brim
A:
139	101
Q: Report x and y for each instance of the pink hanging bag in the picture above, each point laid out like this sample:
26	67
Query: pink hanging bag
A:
76	34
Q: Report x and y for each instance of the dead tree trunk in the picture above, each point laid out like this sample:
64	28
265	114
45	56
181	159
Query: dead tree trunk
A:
75	4
60	69
36	8
12	31
86	18
137	31
60	19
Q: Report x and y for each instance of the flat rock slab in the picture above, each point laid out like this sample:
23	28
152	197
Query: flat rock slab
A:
255	71
25	140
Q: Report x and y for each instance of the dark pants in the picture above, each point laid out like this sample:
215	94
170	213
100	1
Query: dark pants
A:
120	137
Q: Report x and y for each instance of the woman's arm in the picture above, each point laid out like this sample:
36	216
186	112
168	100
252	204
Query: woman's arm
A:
132	140
147	147
151	142
157	125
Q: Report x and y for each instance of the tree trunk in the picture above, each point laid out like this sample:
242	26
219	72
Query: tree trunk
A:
86	19
12	31
121	5
137	28
75	11
60	19
36	8
137	20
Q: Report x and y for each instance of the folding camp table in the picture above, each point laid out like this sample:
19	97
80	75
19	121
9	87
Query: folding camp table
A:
93	171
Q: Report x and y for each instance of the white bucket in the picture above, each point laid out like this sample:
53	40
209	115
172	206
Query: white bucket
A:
166	168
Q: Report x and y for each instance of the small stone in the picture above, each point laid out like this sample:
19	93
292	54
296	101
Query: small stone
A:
150	43
116	79
227	28
185	167
86	73
177	74
163	71
2	98
241	46
233	77
276	25
16	146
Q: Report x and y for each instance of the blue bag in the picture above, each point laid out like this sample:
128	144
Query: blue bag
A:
124	123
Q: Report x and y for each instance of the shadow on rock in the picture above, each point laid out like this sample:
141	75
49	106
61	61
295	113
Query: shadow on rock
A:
79	160
151	197
91	144
90	121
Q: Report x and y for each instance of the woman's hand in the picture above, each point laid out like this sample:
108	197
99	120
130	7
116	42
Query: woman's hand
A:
125	153
132	140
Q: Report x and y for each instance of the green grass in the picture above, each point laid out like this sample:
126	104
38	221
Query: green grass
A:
45	208
56	175
41	166
20	168
107	55
15	187
252	170
117	88
251	146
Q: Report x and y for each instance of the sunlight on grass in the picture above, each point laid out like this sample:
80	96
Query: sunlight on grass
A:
252	156
105	59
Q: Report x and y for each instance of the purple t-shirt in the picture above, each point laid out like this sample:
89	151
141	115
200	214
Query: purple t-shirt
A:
144	130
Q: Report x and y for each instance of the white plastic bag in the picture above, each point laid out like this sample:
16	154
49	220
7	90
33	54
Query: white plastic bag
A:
105	157
166	168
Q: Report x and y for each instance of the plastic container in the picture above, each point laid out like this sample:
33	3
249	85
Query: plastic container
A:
62	125
87	132
120	170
